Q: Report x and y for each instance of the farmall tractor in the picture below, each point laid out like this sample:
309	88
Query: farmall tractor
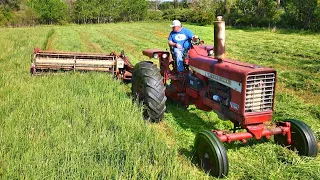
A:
241	92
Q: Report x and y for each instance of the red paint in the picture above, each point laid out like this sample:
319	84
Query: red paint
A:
256	132
233	70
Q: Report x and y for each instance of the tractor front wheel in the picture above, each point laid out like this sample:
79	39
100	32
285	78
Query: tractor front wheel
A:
148	89
211	154
303	139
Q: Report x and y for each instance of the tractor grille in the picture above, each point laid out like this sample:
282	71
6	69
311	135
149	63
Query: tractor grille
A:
259	92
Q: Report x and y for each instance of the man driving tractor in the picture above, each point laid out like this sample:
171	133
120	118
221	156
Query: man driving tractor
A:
180	40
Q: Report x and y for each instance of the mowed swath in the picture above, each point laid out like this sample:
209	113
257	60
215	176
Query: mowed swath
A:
79	125
83	125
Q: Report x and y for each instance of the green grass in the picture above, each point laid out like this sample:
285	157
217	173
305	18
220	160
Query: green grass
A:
84	126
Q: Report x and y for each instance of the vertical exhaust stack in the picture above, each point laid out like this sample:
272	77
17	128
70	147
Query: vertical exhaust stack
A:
219	39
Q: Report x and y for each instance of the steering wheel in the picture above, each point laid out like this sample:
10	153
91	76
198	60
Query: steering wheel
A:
198	42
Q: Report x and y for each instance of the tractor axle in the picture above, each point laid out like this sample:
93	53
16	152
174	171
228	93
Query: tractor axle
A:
257	132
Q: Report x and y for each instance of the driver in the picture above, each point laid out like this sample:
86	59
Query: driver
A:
180	40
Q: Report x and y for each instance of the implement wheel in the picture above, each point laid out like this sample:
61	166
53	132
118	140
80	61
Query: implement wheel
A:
211	154
148	89
303	139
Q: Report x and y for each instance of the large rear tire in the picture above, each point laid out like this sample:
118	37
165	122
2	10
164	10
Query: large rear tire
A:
303	139
211	154
148	89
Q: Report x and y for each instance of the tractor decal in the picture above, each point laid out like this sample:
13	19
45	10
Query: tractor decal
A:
227	82
234	106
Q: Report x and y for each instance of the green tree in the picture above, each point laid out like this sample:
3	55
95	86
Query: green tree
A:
112	10
6	10
12	4
49	11
204	11
253	13
97	11
166	5
134	10
184	4
299	14
84	10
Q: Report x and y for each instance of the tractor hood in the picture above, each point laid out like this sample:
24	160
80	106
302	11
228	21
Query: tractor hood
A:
229	69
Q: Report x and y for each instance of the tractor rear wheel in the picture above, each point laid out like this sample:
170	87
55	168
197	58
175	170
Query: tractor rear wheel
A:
211	154
148	88
303	139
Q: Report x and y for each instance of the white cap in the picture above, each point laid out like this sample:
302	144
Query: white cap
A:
175	23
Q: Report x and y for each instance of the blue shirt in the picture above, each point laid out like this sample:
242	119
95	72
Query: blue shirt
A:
183	37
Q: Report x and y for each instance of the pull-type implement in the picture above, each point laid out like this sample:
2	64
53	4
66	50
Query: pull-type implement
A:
118	65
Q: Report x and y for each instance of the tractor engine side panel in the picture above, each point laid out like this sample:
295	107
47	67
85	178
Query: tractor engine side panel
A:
194	82
243	96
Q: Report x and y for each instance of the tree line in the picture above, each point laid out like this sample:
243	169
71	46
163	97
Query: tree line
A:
31	12
296	14
259	13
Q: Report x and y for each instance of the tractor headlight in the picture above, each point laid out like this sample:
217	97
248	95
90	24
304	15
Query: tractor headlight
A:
211	52
164	55
155	55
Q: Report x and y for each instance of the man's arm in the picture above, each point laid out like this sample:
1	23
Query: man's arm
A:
173	44
170	41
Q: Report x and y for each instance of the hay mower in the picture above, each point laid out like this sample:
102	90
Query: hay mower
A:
117	64
240	92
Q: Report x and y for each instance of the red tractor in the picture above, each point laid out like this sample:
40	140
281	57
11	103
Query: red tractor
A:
241	92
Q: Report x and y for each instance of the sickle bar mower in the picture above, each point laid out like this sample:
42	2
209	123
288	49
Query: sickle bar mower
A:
118	65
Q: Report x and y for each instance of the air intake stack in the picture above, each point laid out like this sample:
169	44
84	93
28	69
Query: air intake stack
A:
219	39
